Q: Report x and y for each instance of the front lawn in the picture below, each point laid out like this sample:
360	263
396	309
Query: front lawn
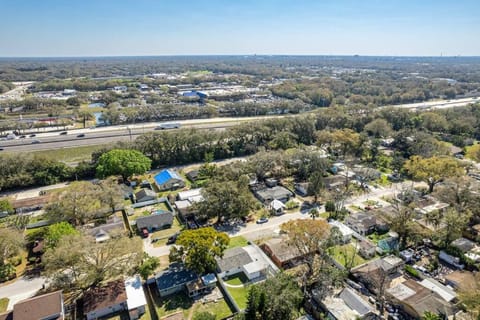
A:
345	253
238	241
163	235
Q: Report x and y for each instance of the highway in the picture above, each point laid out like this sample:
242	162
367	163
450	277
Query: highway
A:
112	134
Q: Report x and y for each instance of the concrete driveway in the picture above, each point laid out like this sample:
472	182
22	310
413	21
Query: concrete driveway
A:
23	288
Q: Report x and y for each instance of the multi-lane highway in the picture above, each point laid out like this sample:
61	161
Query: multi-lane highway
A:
110	134
106	135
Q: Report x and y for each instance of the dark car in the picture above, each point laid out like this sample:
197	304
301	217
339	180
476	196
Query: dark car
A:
144	233
262	220
81	135
35	141
155	240
173	239
32	135
63	133
1	149
23	137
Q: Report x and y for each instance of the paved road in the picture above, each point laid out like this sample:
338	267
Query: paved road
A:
21	289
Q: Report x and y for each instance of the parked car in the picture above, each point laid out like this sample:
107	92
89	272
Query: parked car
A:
144	233
63	133
155	240
81	135
262	220
173	239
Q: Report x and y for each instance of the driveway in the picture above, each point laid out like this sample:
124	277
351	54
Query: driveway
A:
21	289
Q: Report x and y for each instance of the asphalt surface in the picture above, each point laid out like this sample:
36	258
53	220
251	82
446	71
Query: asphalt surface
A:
21	289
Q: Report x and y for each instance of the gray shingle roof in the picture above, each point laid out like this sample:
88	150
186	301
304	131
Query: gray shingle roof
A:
233	258
157	220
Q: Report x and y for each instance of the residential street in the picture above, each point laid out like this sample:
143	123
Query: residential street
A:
21	289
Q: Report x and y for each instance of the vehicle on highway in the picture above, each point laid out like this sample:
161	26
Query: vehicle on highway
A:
63	133
11	136
81	135
22	136
262	220
35	142
1	149
32	135
164	126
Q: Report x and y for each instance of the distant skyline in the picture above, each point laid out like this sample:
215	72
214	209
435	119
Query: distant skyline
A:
59	28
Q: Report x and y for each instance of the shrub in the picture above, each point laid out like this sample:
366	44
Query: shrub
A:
411	271
291	205
15	261
330	206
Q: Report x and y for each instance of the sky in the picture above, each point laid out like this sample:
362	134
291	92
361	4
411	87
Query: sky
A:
58	28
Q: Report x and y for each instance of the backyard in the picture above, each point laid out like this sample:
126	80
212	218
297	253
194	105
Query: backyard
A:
238	289
345	253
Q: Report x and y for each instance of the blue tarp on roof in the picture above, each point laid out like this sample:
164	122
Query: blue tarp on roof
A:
166	175
388	245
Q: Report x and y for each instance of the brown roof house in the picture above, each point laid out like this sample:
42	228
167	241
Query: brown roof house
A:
283	255
115	296
47	306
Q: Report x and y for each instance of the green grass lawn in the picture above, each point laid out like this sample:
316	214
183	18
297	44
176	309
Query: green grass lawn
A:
238	241
165	234
70	154
3	304
220	309
240	295
173	304
377	237
339	253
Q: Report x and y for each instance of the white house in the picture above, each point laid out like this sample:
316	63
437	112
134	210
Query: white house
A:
245	259
136	300
344	230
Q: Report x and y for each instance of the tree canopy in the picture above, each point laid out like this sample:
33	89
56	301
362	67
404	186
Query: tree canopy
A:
198	248
122	162
56	231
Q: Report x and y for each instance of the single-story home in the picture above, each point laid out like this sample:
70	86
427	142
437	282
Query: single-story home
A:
45	306
189	194
415	299
115	296
168	180
284	256
345	306
451	260
302	189
445	292
463	244
246	260
193	175
104	231
155	221
145	195
361	223
174	279
345	231
267	195
388	266
276	207
366	249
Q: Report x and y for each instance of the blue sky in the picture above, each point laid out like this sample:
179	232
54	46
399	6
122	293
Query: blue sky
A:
188	27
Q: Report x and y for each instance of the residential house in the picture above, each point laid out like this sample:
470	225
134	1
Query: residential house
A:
193	175
47	306
429	204
463	244
174	279
186	200
105	300
103	232
345	231
451	260
284	256
276	207
136	300
145	195
366	249
415	299
30	204
201	286
370	273
362	223
443	291
335	181
302	189
115	296
168	180
156	221
246	260
346	305
267	195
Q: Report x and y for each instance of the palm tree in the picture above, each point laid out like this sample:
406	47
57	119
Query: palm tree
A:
313	213
430	316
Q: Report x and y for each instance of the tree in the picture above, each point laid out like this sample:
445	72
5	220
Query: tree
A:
469	295
379	128
204	316
402	223
314	213
433	170
84	115
5	205
122	162
455	222
148	266
57	231
77	204
316	185
310	239
226	199
111	194
198	248
10	244
284	303
78	262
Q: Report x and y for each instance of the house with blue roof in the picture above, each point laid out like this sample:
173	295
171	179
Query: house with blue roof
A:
168	180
